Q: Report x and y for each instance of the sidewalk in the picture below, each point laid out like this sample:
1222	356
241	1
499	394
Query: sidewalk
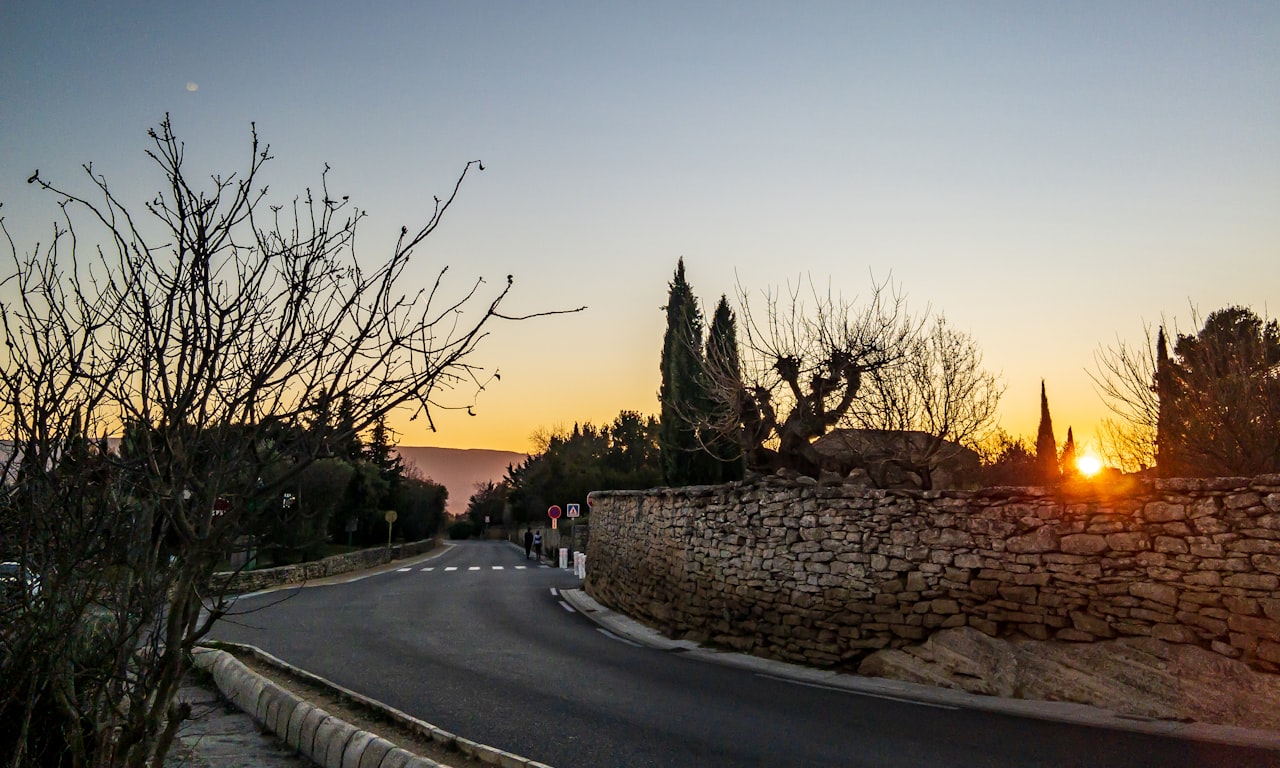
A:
219	735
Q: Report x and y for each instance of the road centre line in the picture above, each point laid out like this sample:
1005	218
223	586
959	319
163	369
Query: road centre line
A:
898	699
452	568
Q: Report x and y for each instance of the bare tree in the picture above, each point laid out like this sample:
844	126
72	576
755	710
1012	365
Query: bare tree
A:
803	367
1211	408
938	389
214	336
1125	377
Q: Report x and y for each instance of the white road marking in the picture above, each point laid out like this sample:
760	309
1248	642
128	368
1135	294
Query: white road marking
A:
554	593
452	568
474	568
521	567
497	567
567	607
428	569
898	699
612	636
403	570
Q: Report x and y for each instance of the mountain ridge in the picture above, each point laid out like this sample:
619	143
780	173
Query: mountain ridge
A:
460	469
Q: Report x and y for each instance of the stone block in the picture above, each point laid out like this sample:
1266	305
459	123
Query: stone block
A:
1084	544
1255	626
1128	542
1173	633
1160	593
1161	512
1252	581
1043	539
1094	625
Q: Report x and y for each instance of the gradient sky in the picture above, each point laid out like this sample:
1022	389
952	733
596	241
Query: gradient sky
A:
1052	176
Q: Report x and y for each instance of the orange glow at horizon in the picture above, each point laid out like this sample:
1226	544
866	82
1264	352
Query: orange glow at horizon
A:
1089	465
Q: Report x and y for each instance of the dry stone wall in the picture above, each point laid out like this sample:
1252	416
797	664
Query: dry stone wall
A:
251	581
826	573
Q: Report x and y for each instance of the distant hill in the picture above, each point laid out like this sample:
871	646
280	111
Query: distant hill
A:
460	469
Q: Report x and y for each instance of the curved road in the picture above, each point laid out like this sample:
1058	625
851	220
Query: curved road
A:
475	641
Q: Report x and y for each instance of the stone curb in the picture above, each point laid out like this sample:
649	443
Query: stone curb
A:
323	738
633	631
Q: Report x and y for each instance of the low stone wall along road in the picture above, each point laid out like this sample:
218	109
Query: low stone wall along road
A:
494	656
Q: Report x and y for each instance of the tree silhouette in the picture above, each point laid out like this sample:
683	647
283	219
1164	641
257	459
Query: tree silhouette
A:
1046	445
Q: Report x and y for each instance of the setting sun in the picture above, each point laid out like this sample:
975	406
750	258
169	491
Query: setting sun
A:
1089	465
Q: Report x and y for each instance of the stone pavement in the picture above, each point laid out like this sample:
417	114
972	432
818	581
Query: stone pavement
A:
220	735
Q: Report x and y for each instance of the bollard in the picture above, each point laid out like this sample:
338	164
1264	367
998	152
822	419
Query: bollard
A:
564	557
580	564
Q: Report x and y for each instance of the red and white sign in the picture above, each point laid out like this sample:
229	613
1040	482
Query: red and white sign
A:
554	512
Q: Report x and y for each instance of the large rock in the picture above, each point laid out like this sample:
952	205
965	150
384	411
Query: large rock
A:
1136	676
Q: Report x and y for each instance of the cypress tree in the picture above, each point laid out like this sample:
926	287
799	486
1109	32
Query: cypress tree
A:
722	357
683	392
1068	462
1046	445
1167	463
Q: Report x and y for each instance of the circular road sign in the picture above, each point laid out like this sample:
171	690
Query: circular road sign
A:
554	512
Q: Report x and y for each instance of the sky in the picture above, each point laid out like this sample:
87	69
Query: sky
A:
1054	177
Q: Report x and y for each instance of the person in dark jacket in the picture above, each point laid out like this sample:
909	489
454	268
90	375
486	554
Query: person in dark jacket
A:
528	542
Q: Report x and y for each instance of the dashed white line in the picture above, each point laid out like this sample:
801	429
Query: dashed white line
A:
403	570
521	567
612	636
424	570
497	567
474	568
452	568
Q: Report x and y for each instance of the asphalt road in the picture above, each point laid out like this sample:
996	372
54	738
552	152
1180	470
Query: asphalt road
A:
477	642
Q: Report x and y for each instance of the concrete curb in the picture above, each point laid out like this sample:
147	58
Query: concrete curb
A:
323	738
633	631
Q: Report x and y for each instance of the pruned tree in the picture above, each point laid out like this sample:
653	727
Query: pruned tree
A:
215	330
802	368
939	389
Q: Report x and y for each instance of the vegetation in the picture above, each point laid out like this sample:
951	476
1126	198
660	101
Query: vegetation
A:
1046	445
683	394
1209	408
217	332
623	455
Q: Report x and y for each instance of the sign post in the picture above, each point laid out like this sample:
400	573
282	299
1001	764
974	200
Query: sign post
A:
390	517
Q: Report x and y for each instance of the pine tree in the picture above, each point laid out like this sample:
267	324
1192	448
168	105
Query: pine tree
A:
722	358
382	454
1046	445
683	393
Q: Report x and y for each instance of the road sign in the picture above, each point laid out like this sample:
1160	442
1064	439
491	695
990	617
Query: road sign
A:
571	510
554	512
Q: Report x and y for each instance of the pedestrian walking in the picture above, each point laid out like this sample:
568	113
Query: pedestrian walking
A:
537	545
528	542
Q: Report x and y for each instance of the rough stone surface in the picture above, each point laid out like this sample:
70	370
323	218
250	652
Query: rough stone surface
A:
1143	677
825	574
251	581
